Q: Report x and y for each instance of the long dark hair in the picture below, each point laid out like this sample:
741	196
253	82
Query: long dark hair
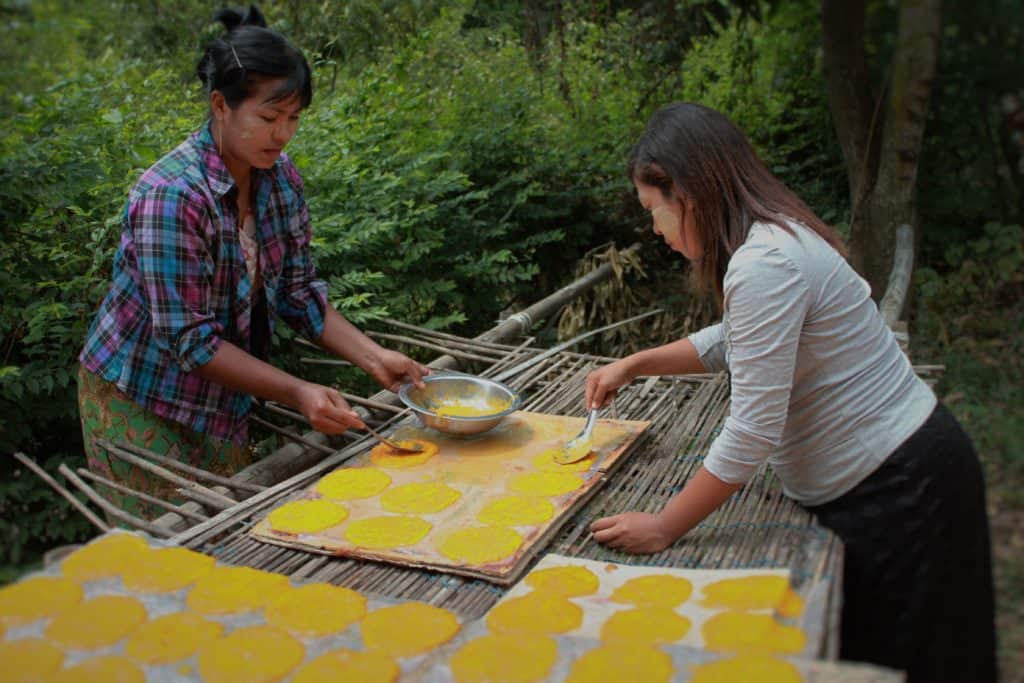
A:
251	52
698	156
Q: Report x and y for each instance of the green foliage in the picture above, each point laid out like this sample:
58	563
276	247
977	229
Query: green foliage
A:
971	317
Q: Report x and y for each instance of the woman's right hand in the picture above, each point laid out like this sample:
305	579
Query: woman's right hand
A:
603	384
326	409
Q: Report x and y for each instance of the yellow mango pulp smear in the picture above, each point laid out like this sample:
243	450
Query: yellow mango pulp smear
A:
518	658
478	408
748	669
622	663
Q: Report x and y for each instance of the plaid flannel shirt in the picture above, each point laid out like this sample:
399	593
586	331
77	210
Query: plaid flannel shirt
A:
180	285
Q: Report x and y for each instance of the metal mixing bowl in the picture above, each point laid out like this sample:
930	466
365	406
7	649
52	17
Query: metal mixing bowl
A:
493	400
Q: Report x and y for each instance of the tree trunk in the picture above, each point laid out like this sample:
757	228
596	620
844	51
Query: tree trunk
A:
882	183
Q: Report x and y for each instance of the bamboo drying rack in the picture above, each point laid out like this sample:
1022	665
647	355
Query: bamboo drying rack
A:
758	527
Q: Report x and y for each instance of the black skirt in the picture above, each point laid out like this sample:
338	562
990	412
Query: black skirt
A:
917	571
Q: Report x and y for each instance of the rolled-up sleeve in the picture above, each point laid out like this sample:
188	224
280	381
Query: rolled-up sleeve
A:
303	299
766	298
710	345
176	274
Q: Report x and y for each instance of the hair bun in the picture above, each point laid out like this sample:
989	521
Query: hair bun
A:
233	18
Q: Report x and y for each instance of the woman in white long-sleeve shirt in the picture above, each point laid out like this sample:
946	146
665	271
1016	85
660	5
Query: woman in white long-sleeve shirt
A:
819	390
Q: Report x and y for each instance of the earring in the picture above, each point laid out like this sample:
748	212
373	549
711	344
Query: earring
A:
220	138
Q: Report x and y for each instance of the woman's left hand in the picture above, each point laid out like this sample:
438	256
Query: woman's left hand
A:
393	369
631	532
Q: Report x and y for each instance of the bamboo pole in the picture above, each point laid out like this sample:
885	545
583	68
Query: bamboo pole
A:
895	297
217	499
67	495
189	469
109	508
141	495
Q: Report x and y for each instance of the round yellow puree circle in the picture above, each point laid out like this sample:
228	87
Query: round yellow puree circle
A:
227	590
307	516
315	610
621	663
517	511
383	455
35	598
658	590
753	633
749	669
109	668
762	591
518	658
538	613
546	462
546	483
419	498
254	654
171	637
349	665
165	570
570	581
105	557
387	531
29	659
645	625
353	482
481	544
408	629
96	623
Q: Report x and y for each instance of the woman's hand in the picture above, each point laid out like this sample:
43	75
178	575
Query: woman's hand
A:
632	532
603	384
392	369
325	409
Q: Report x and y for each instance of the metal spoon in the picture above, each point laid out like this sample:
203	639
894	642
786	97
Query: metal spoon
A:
394	445
579	447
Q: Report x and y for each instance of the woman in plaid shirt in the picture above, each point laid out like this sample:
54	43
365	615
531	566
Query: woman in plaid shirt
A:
215	247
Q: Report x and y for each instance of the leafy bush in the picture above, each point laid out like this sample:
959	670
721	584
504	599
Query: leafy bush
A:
971	317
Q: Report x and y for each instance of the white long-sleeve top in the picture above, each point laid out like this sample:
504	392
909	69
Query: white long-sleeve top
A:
820	388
